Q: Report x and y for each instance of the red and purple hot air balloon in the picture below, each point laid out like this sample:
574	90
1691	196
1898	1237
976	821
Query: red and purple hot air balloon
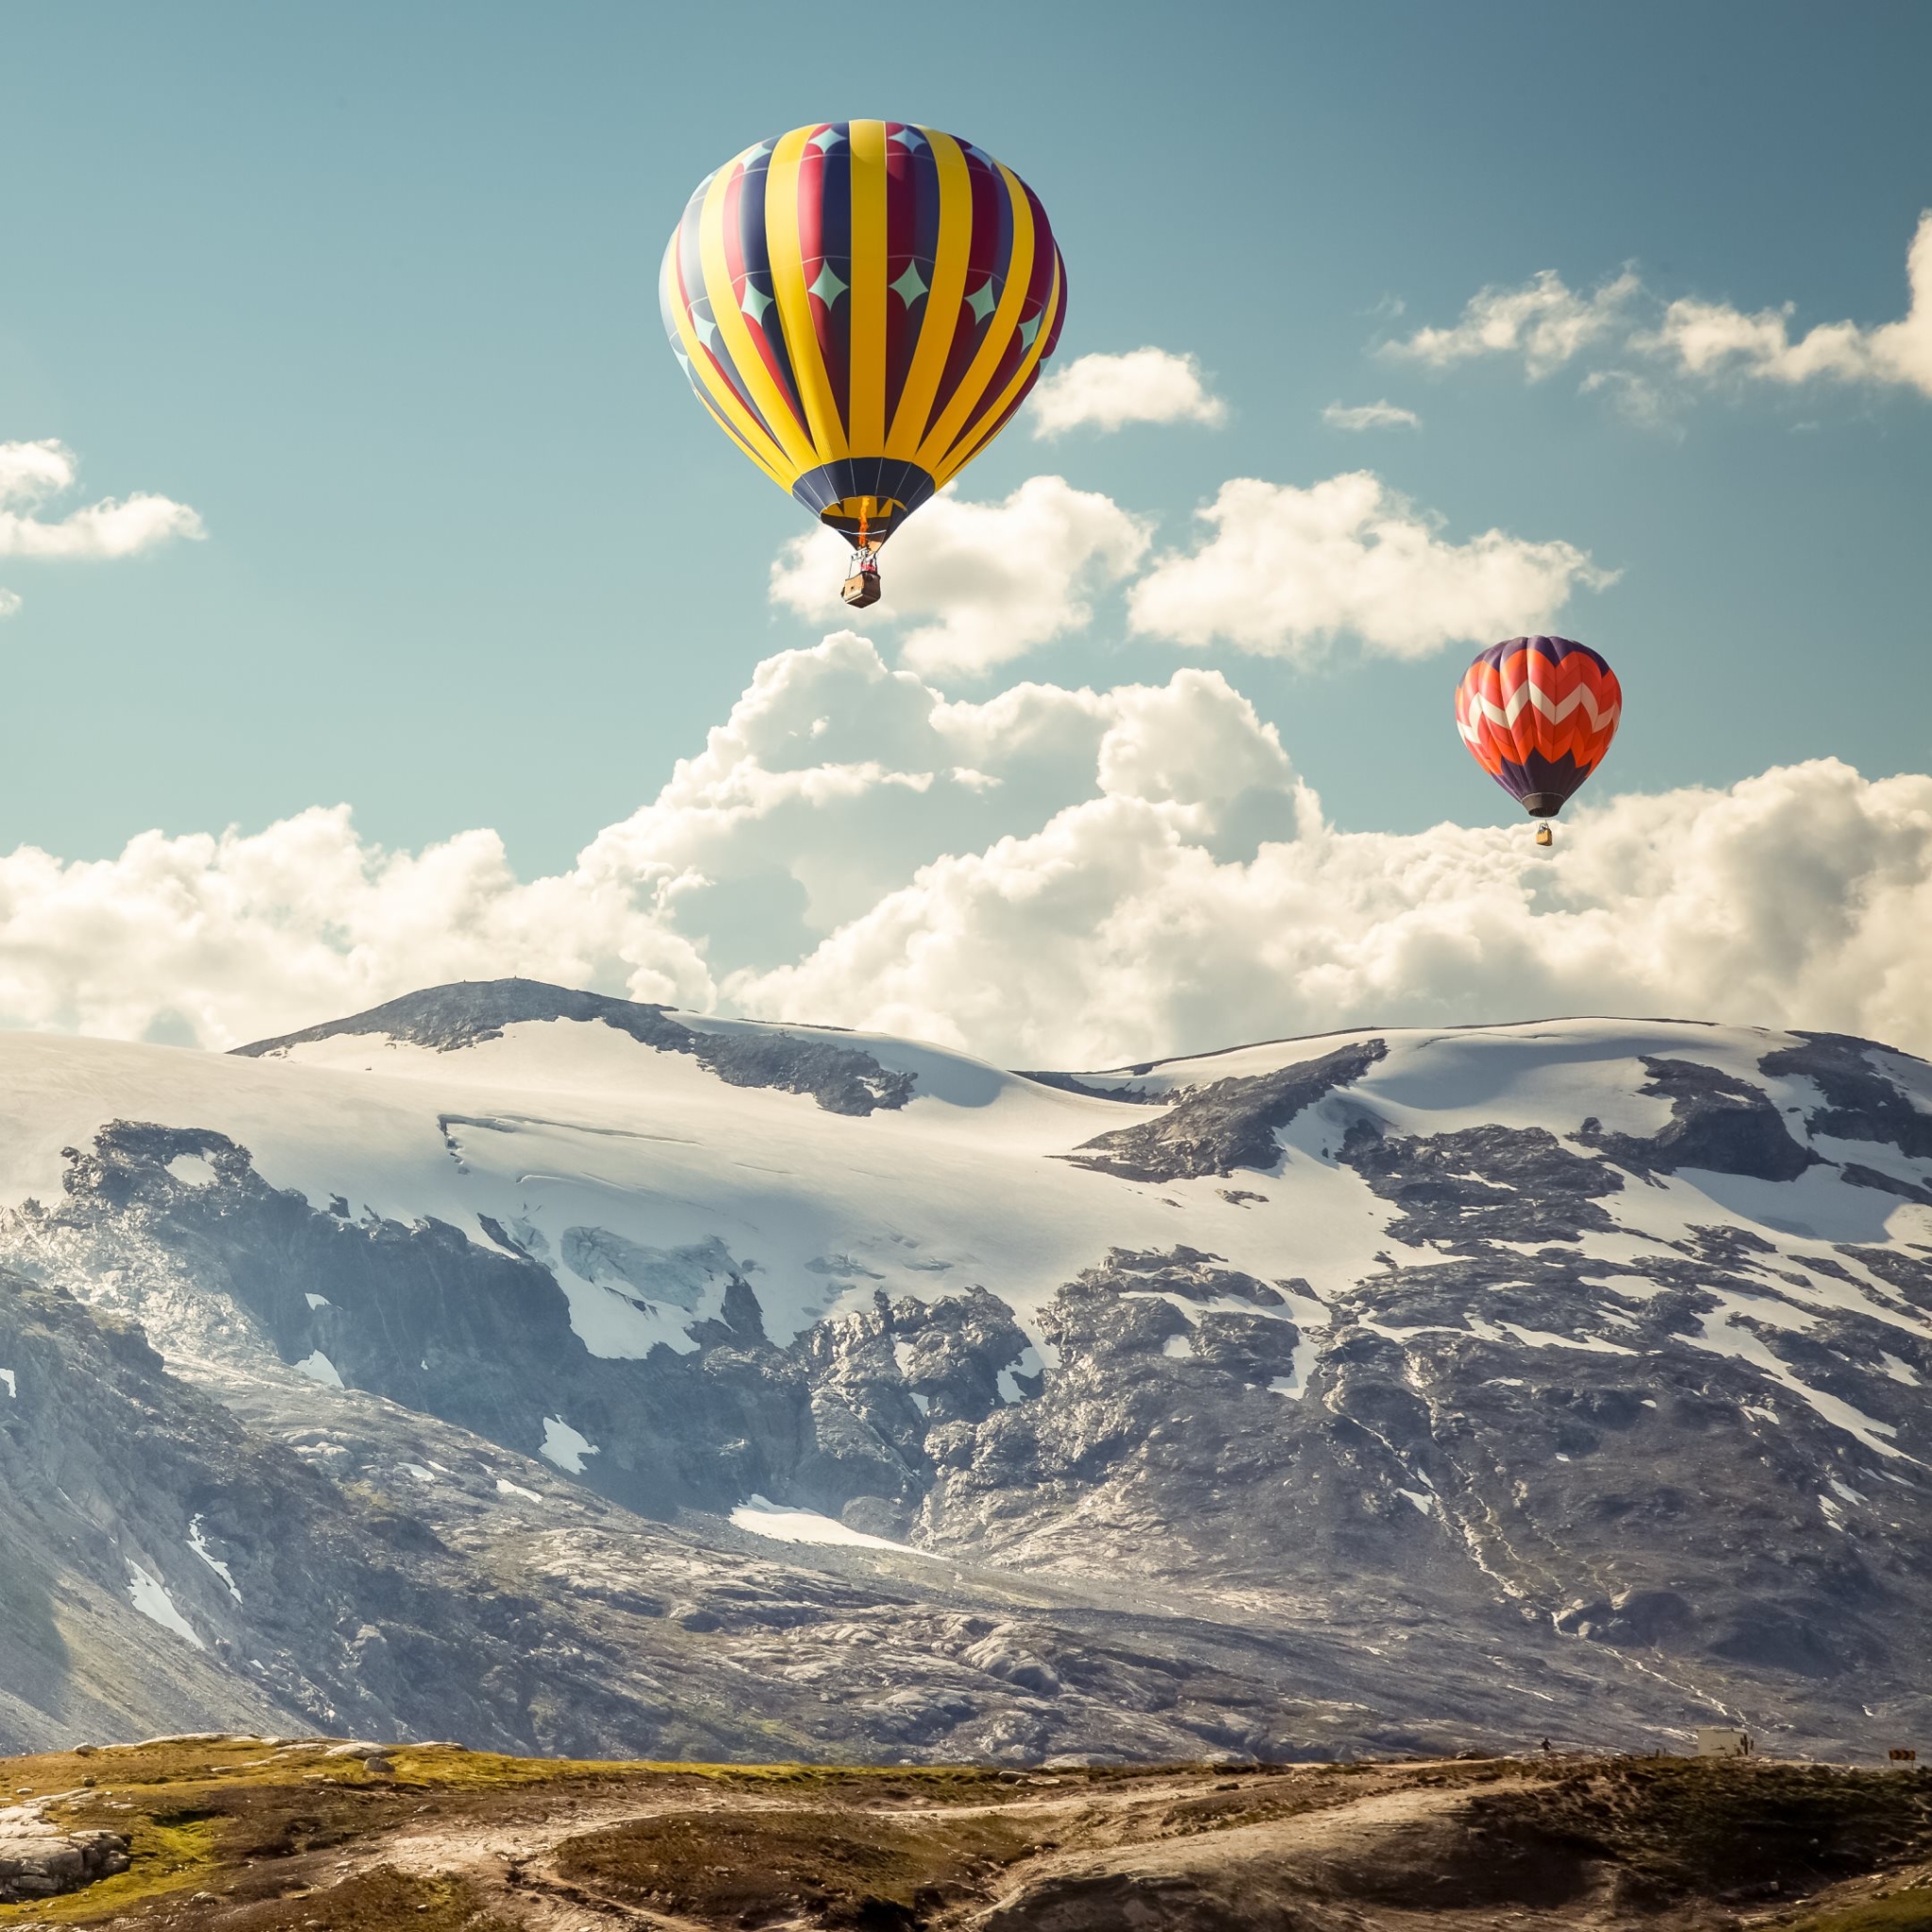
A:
1537	715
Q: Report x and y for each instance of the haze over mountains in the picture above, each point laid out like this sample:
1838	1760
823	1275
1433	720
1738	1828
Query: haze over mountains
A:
562	1374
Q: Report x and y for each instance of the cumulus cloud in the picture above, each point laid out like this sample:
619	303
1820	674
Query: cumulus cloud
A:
1369	416
979	583
1286	570
1711	340
1051	878
1544	321
226	938
9	603
1107	392
1803	896
31	472
1692	342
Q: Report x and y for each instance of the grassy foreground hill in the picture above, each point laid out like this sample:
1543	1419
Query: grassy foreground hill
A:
227	1834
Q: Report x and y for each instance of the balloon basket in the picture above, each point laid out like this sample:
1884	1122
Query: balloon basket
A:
1545	838
861	589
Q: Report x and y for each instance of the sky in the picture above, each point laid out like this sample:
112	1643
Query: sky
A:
393	570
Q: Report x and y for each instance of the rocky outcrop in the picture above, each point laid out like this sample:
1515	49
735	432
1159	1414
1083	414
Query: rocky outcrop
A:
842	1079
1232	1123
38	1861
1718	1121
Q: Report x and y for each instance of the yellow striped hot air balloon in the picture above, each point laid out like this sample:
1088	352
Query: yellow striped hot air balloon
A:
863	305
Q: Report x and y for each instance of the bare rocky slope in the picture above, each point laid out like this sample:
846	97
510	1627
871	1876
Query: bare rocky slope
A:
558	1373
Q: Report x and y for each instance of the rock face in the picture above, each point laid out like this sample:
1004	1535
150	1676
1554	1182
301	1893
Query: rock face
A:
549	1372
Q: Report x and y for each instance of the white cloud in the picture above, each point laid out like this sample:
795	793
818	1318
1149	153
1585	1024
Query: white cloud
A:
1711	340
1547	324
9	603
1800	897
227	938
1542	320
1051	878
31	472
1286	570
996	579
1107	392
1369	416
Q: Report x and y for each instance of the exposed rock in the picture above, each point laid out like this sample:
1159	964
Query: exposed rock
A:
1718	1123
1232	1123
842	1079
40	1860
1860	1103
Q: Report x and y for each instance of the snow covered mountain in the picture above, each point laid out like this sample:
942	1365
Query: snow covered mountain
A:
554	1371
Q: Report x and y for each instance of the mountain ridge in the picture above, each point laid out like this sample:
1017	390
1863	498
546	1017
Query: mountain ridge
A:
1318	1386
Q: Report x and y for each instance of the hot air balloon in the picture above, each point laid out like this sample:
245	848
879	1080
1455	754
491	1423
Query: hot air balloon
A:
1537	715
863	305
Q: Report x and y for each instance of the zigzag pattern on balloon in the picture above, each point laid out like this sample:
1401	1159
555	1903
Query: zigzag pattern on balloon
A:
1538	713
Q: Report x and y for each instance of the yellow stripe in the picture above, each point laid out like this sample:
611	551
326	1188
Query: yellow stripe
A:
866	392
943	302
795	302
724	400
731	325
939	440
968	446
777	476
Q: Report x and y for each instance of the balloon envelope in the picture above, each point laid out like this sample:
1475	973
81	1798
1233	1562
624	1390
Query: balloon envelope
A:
863	305
1537	714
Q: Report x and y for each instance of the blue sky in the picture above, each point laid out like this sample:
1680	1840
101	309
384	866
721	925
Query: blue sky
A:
372	289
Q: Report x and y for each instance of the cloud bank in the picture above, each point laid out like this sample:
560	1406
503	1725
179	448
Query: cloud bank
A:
1689	341
1543	320
1053	876
33	472
30	473
1107	392
1286	571
1283	571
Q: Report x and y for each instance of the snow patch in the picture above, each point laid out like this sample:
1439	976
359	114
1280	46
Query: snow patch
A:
762	1517
151	1598
563	1447
1177	1348
1898	1370
318	1301
12	1386
318	1368
1294	1385
198	1543
1718	1333
506	1488
1426	1504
